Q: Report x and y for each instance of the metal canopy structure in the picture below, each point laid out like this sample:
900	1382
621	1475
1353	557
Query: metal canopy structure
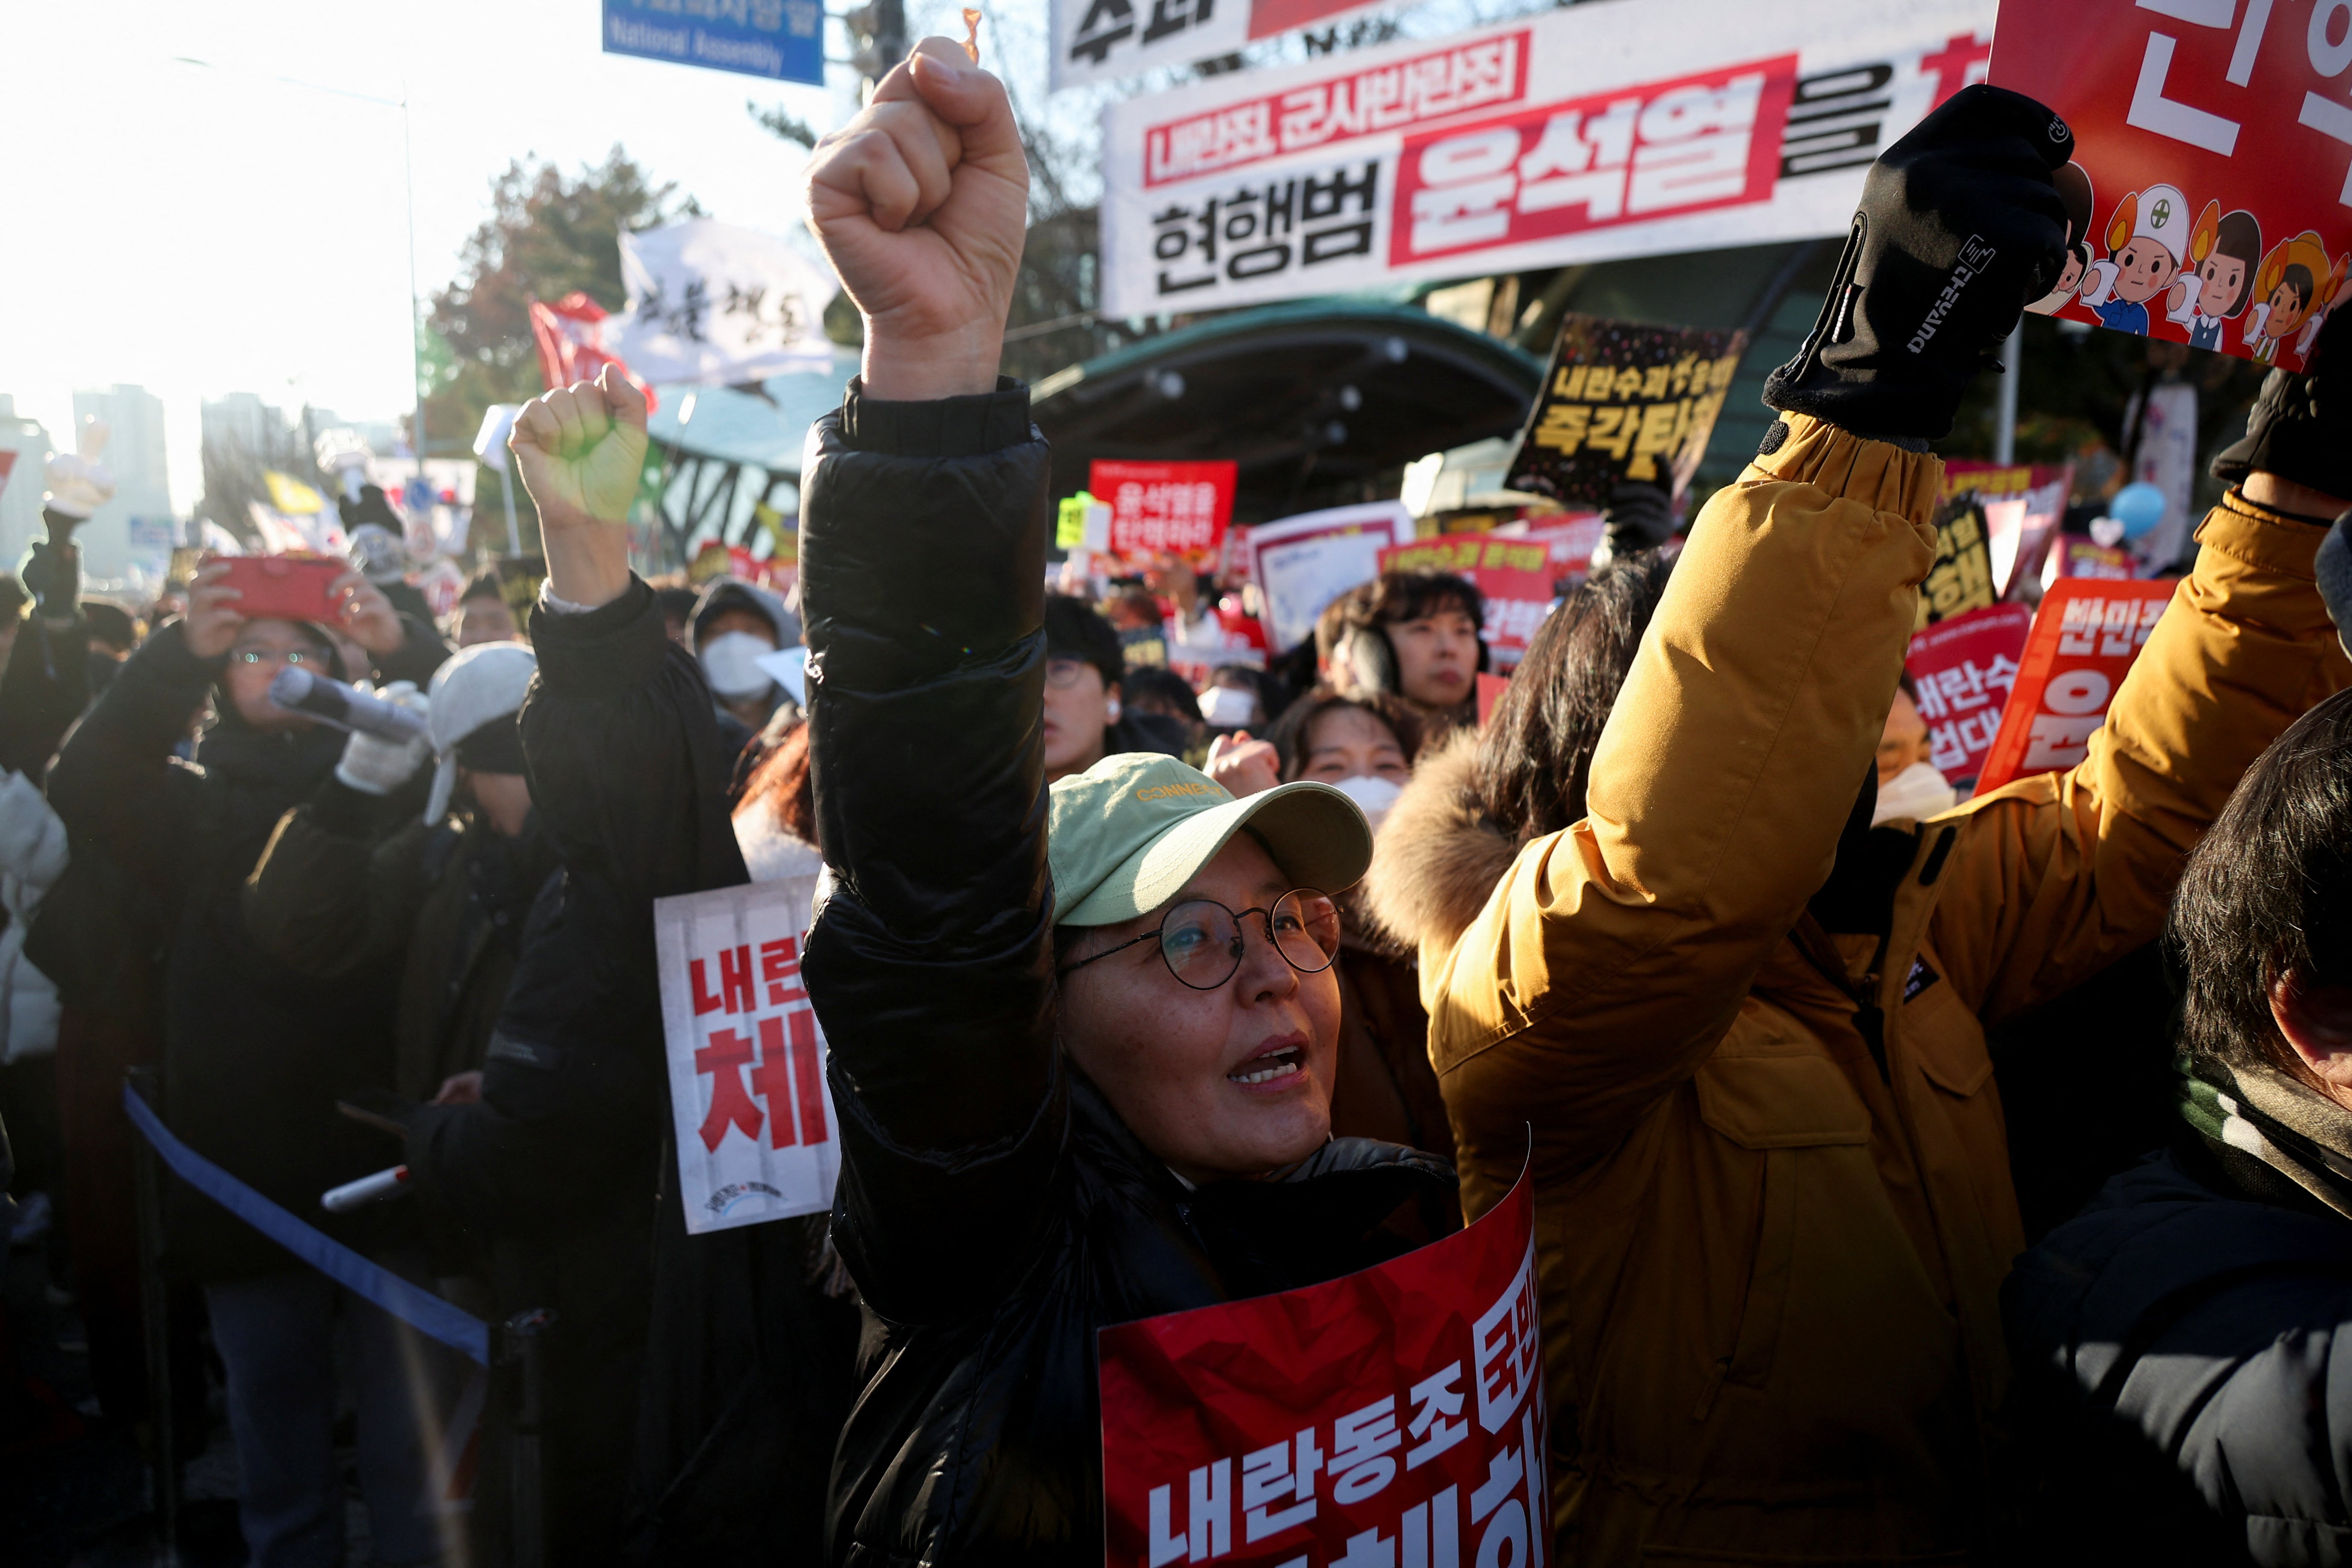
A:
730	450
1320	402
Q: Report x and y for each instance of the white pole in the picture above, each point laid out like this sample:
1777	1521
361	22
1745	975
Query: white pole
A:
2004	433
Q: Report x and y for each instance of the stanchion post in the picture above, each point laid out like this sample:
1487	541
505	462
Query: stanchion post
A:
156	1312
523	1343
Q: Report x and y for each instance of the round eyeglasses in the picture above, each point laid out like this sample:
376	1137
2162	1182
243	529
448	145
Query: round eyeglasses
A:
1063	673
271	656
1202	943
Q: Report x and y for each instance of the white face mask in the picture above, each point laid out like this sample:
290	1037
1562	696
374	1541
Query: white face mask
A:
1374	794
731	662
1227	707
1915	795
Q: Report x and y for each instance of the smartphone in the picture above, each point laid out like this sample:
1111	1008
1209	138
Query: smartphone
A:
283	587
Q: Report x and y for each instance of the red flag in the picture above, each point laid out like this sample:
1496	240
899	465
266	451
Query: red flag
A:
570	335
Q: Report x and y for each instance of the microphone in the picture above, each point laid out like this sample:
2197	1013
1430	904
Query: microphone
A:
345	707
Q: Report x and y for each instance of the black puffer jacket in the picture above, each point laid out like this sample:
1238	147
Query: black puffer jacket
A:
254	1054
2178	1396
993	1208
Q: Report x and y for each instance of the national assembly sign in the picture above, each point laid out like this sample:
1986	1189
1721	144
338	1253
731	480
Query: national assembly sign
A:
1601	131
783	40
1392	1418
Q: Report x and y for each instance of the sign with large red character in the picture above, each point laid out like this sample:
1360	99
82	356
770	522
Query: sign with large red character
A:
2207	201
2086	636
1393	1418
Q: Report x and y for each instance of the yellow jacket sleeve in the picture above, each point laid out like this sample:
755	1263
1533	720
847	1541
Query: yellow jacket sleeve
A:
1613	956
2057	876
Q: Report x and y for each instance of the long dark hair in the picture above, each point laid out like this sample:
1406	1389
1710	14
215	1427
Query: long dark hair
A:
1535	759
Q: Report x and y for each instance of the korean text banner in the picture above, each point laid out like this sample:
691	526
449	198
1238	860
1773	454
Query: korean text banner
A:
1392	1416
1180	508
780	40
1104	40
1301	564
2213	163
1620	128
1625	403
1963	669
752	1114
714	304
2087	634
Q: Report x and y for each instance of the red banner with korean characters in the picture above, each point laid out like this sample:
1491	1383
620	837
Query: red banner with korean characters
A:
1393	1418
1963	669
1180	508
750	1111
1686	144
2086	636
1513	577
2212	168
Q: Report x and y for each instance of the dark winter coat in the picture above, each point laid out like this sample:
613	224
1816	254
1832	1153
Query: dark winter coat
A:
255	1053
745	1361
993	1208
2176	1386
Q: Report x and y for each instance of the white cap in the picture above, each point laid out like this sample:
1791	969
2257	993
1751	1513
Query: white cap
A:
484	683
2165	218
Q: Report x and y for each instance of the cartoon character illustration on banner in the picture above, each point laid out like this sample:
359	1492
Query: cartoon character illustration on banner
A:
2224	250
2295	285
2074	184
2147	238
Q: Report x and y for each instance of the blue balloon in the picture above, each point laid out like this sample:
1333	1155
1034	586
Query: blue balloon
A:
2139	507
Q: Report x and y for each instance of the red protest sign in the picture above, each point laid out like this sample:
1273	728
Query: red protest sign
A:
1392	1416
1490	691
1181	509
1513	576
2212	149
2024	505
2084	639
1963	669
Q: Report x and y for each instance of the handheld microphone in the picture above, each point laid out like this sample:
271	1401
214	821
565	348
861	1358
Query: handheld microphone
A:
345	707
384	1184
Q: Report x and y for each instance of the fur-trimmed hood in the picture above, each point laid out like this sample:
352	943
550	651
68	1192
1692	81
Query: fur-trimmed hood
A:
1438	855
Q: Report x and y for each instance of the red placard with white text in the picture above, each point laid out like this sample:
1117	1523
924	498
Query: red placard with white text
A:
1181	509
1513	577
2084	639
1964	669
2215	141
1393	1417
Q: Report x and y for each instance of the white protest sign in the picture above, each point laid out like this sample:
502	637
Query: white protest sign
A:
1599	130
1302	563
713	304
756	1135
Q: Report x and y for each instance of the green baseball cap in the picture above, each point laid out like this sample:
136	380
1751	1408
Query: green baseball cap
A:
1124	836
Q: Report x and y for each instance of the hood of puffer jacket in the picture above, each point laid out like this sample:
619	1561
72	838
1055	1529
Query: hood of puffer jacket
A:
1438	855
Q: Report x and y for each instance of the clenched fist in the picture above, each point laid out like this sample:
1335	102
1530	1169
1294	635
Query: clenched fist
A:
582	450
922	204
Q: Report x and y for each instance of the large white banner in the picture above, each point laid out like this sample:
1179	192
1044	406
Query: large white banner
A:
756	1134
714	304
1621	128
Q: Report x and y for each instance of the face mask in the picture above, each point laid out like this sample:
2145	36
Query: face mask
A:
731	662
1374	793
1915	795
1227	707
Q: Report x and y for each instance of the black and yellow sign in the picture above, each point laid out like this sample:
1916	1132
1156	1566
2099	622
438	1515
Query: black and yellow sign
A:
1623	402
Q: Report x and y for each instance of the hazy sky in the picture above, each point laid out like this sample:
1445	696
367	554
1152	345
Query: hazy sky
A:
200	231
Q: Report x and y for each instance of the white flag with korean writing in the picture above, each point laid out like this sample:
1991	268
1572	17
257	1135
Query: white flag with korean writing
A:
754	1123
717	305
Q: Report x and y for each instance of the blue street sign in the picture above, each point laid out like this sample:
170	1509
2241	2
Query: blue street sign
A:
780	40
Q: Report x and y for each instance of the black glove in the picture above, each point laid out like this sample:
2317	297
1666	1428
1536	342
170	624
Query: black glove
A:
2334	570
1638	517
1959	225
51	573
2295	431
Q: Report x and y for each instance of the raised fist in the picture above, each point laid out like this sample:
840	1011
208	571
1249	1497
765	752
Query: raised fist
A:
921	203
79	483
581	452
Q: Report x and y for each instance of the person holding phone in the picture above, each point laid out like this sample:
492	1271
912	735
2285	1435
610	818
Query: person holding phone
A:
255	1053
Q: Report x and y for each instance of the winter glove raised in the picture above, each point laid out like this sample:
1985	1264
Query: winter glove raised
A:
1959	225
79	483
376	766
2301	426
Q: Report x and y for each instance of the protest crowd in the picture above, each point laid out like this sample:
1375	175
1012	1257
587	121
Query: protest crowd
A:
1166	984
